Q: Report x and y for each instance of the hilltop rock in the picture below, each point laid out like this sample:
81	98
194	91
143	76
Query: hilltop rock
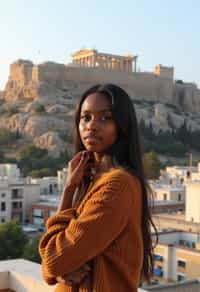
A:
52	142
57	108
38	125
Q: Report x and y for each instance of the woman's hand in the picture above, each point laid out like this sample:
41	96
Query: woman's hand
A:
75	277
78	168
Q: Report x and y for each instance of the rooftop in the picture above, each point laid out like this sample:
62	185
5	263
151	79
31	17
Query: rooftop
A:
185	286
24	276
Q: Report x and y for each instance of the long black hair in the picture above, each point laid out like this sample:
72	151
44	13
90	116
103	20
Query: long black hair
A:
127	151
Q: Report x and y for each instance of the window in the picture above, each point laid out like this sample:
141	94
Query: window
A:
188	174
180	277
51	213
158	272
179	197
38	221
38	213
17	194
158	258
164	197
16	205
181	263
3	220
3	195
3	206
50	189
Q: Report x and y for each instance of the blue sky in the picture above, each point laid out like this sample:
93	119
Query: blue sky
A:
158	31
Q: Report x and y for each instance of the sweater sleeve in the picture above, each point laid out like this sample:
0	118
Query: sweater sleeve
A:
54	225
103	218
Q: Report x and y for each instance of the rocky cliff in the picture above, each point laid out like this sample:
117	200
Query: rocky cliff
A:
42	113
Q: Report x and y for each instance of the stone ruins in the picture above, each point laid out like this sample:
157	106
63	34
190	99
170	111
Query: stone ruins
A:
89	67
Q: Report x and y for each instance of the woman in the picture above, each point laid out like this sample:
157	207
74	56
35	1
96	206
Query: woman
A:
99	239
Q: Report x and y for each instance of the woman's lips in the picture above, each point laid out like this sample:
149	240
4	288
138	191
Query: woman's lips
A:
92	139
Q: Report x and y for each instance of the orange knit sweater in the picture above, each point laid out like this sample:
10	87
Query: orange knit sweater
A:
104	230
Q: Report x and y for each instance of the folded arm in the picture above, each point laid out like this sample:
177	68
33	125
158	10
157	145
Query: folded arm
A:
65	248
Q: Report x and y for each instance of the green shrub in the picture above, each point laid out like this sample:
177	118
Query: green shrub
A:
6	136
40	108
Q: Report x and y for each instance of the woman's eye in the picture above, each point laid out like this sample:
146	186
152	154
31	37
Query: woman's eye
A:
106	118
85	118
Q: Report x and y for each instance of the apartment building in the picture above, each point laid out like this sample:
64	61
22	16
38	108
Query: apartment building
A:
42	210
177	256
17	194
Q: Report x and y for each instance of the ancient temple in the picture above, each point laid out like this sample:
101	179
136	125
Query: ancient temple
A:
93	58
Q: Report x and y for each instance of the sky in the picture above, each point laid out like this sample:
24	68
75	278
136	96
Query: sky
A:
158	31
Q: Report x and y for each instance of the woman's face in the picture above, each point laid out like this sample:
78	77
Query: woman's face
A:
97	128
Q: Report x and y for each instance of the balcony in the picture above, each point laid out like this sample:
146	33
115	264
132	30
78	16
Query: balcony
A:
158	258
22	276
157	272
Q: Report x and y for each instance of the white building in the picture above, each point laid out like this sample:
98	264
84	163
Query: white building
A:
8	170
177	175
192	212
168	192
61	175
16	194
48	185
177	256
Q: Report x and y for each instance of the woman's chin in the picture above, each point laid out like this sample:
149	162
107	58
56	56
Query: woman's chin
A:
93	148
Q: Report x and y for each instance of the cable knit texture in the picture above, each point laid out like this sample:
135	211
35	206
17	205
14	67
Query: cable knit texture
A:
105	230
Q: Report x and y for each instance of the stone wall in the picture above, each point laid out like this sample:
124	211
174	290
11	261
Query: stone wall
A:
158	85
146	85
21	72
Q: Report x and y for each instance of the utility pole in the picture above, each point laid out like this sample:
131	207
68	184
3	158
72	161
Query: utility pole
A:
190	165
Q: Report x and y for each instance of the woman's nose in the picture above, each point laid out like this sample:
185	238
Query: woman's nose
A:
92	124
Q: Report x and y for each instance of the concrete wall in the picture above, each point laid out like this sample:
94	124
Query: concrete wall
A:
193	202
22	276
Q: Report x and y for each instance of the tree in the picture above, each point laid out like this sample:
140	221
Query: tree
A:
6	136
12	240
1	156
31	250
40	109
152	165
40	172
32	152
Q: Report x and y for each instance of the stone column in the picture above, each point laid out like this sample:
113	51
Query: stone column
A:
129	66
135	64
122	65
113	64
118	64
110	63
91	61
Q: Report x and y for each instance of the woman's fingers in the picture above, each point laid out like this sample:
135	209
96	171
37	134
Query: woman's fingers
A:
75	277
75	160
